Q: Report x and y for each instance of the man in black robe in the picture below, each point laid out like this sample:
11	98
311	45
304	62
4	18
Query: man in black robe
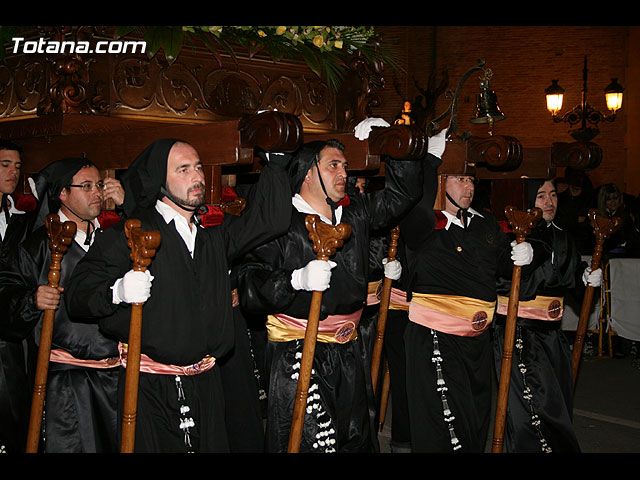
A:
278	279
451	260
540	405
80	406
187	313
14	386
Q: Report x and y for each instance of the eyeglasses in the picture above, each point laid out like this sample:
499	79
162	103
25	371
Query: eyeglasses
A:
90	186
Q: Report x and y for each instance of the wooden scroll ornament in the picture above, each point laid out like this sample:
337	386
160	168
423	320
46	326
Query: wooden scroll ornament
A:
60	237
326	239
602	228
383	311
521	224
143	245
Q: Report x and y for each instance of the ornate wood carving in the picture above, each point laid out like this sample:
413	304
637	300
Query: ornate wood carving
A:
272	131
496	153
407	142
196	86
581	155
359	93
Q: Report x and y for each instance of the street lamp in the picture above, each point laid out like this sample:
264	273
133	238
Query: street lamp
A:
584	113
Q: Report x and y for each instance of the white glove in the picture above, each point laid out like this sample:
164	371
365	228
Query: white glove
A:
521	253
363	129
592	279
315	276
437	143
393	269
134	287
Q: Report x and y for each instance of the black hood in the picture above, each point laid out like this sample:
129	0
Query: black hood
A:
50	181
145	178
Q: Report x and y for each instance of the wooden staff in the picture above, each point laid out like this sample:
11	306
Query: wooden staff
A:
521	223
602	228
326	239
384	398
143	245
60	237
383	310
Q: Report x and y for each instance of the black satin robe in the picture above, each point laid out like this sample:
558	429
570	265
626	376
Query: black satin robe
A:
80	404
544	352
15	387
189	313
341	372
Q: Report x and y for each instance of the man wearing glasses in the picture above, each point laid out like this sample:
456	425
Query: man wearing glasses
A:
452	258
81	401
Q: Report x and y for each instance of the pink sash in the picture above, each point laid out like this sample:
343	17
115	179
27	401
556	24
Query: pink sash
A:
452	314
333	329
62	356
150	366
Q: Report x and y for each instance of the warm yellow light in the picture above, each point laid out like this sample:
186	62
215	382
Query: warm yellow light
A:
614	101
554	97
613	95
554	103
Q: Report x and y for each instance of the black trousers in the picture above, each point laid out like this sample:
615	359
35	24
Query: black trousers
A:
161	410
448	390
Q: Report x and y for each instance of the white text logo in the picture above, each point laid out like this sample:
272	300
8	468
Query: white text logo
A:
67	46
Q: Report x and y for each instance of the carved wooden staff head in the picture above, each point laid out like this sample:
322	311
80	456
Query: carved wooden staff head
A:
522	222
143	244
60	237
603	227
326	238
393	243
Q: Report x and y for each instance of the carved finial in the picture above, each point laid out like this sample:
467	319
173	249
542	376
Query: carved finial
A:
143	244
326	238
60	237
522	222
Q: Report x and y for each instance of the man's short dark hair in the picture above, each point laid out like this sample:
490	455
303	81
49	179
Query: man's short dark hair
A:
9	145
334	144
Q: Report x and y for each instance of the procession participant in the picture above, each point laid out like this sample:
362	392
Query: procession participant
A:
452	258
278	280
187	312
14	387
540	403
80	406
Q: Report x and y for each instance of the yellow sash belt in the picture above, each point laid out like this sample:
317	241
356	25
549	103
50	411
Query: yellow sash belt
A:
333	329
540	308
453	314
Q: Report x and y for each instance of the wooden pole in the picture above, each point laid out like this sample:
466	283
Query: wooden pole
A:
602	228
384	400
383	311
60	237
521	223
143	245
326	239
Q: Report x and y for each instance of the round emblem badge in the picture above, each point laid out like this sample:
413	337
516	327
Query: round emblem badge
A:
479	321
344	333
554	309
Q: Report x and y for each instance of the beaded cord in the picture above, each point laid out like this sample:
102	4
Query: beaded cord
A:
262	394
325	441
526	393
442	390
186	422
